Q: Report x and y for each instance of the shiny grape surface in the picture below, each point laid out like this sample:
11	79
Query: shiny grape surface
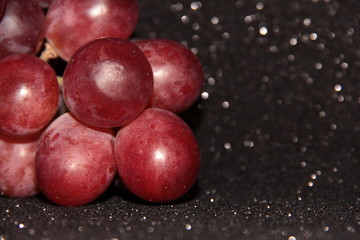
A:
107	83
71	24
17	166
29	94
74	163
178	74
22	28
157	156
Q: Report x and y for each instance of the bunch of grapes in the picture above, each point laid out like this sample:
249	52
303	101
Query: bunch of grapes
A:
122	96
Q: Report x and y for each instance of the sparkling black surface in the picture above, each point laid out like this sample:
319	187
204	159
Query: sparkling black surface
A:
278	125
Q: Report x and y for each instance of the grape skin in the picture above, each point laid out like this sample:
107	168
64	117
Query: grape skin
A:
157	156
71	24
29	94
74	163
22	28
178	75
107	83
17	166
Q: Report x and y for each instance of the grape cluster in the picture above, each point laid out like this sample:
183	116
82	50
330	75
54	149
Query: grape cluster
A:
122	96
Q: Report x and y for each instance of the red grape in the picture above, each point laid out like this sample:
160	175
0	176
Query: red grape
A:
22	28
74	163
178	74
17	166
71	24
29	94
157	156
107	83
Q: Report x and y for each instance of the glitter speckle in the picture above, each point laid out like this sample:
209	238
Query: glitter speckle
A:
227	146
337	87
204	95
185	19
259	5
248	19
263	31
293	41
195	5
214	20
225	104
307	22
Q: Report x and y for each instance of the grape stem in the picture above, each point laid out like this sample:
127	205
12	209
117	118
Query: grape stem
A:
60	81
48	53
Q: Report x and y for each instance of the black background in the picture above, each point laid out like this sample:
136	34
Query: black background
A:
278	126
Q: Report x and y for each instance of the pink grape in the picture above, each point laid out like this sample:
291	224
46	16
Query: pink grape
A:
107	83
29	94
157	156
17	166
71	24
178	74
74	163
22	28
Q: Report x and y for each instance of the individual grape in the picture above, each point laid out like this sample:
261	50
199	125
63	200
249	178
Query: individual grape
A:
157	156
29	94
107	83
22	28
178	74
71	24
74	163
17	166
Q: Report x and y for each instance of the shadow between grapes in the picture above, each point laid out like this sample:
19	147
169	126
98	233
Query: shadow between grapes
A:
192	116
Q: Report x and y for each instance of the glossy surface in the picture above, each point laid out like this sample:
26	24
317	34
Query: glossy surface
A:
21	28
17	166
74	163
157	156
178	74
108	83
71	24
29	94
